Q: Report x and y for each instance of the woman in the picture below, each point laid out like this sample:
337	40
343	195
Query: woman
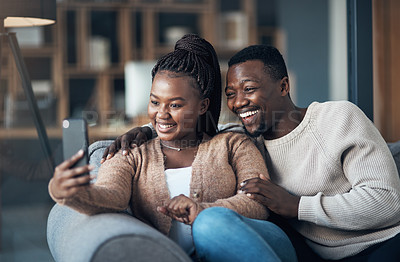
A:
188	168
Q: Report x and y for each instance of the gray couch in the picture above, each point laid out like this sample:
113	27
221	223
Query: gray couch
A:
115	237
74	237
395	149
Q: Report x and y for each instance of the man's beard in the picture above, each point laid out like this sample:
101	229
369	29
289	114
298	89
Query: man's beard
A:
260	130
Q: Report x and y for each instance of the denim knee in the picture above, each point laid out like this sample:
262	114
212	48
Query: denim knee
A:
210	221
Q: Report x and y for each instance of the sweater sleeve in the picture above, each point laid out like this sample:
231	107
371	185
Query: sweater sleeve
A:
110	193
247	163
355	149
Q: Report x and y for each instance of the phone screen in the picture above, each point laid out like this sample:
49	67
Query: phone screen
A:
75	138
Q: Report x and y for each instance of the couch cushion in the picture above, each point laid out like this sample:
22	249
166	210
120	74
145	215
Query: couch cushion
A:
96	153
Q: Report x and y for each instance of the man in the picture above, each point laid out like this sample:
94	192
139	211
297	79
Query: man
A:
333	179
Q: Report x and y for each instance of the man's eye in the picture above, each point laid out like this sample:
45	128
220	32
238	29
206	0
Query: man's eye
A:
249	89
154	102
229	94
175	105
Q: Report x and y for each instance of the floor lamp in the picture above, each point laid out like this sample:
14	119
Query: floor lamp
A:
27	13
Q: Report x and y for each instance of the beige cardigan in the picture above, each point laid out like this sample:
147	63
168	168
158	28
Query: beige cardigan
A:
138	180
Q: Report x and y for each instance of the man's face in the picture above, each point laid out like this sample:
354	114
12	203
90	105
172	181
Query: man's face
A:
253	96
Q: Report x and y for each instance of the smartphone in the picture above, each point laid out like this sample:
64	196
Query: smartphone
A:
75	138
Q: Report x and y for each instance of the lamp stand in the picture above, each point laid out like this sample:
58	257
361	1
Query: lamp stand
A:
27	86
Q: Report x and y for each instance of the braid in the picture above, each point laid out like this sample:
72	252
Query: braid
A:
195	57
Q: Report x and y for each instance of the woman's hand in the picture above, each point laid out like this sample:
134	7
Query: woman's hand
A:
66	182
182	209
134	137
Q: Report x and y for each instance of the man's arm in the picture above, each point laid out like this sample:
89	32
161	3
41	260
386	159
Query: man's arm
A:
357	153
139	135
276	198
134	137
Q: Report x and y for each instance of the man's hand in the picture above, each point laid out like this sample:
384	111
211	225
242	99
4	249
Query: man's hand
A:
276	198
67	181
134	137
182	209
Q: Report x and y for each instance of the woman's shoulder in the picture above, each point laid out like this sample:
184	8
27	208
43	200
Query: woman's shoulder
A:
137	153
147	147
229	138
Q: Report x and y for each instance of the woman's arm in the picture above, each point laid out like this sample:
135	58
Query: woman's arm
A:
111	192
246	162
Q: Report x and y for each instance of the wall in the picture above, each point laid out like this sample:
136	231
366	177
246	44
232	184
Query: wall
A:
386	42
305	26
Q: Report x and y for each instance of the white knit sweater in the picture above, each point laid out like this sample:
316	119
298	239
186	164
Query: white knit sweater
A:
338	162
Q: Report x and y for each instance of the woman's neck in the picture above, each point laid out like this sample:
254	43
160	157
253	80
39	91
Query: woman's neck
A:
184	143
180	153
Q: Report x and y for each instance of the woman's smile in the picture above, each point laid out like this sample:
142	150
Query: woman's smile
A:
165	127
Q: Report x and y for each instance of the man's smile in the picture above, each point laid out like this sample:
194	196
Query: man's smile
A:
248	113
248	117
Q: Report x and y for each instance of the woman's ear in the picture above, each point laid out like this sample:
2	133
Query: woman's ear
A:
205	103
285	87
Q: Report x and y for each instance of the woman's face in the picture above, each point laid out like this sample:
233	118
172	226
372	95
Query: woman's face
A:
175	106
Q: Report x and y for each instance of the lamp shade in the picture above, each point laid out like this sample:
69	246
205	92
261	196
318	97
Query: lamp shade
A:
25	13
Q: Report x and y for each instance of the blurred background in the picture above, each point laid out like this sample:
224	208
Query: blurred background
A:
95	62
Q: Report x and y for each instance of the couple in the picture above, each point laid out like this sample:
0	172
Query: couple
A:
333	187
173	179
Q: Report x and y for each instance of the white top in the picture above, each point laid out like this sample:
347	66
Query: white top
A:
339	163
178	182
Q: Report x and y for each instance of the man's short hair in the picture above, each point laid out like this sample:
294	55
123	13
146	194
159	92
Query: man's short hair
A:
270	56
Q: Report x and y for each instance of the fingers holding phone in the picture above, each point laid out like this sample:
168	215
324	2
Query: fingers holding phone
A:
67	180
73	173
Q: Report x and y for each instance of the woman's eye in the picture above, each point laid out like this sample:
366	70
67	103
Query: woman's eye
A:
175	105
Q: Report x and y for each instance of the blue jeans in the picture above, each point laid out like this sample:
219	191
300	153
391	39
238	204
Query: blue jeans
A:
220	234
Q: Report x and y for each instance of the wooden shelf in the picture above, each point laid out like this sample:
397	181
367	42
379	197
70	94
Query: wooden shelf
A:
27	133
127	30
94	133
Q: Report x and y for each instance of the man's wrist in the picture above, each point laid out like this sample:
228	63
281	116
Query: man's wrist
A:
295	212
148	132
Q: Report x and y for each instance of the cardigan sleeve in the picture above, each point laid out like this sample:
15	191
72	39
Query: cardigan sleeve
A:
111	192
355	148
246	162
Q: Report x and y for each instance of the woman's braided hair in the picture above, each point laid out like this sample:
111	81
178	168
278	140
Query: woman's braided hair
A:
194	56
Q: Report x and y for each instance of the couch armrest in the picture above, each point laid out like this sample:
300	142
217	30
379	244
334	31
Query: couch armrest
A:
72	236
395	150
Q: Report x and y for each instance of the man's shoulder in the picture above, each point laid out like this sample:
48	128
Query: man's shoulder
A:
335	112
329	106
340	121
